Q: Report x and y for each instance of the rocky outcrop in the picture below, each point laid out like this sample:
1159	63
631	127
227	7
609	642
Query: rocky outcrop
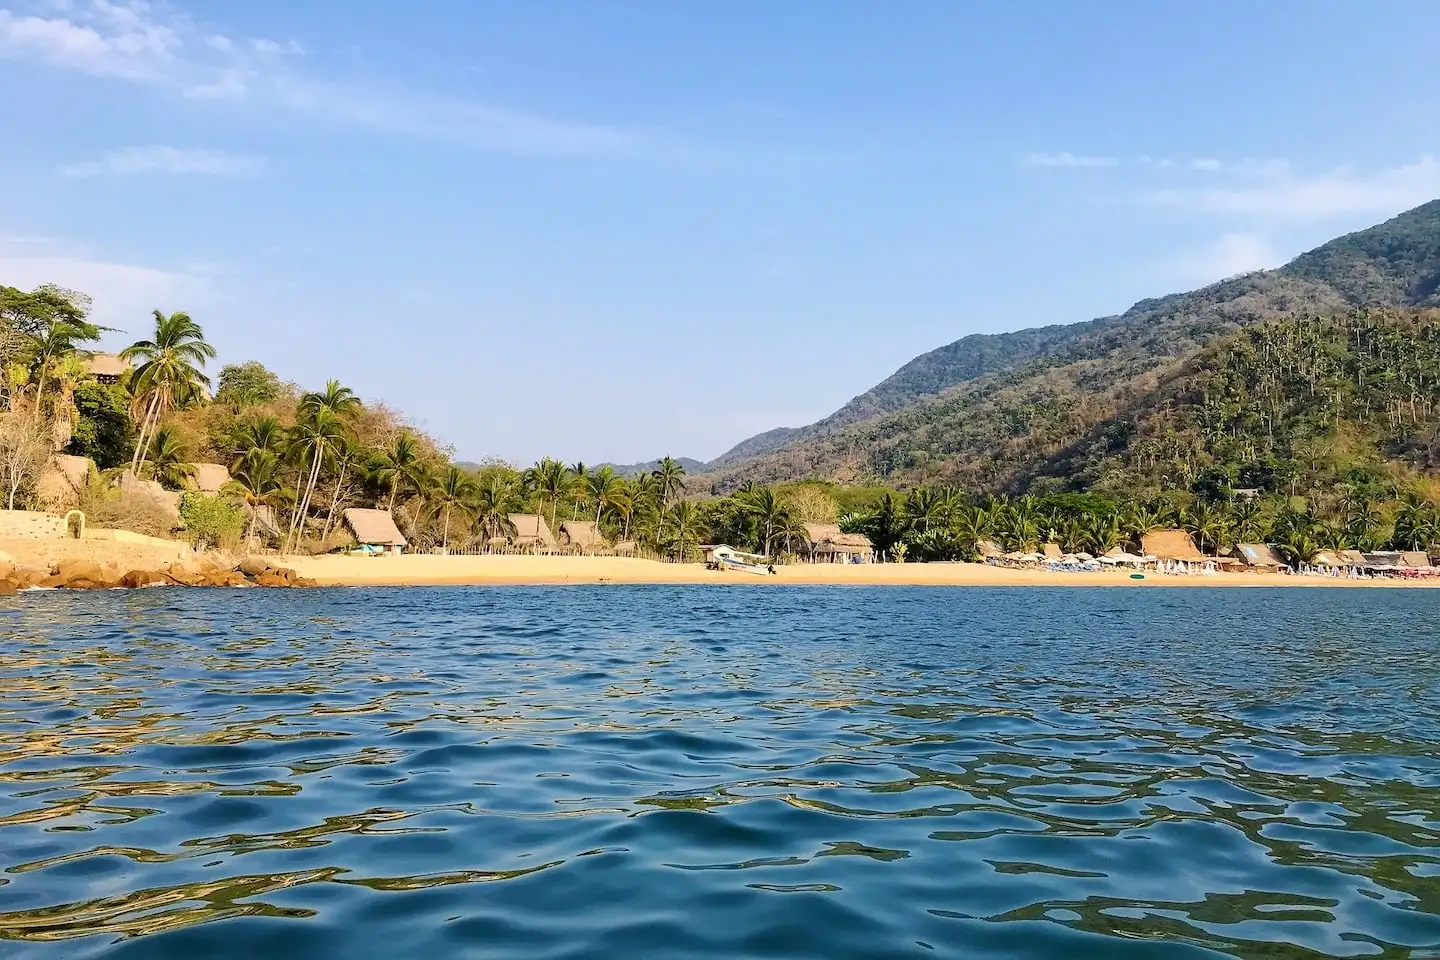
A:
79	574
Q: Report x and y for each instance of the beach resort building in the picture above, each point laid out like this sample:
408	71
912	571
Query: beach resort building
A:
828	544
1260	557
375	529
1175	546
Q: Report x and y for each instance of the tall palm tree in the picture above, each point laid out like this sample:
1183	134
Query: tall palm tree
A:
579	473
770	515
58	341
169	459
683	522
310	441
550	480
671	477
322	422
453	491
494	501
401	466
169	372
1208	524
603	487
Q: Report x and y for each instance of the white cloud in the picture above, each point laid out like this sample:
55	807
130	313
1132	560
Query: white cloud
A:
132	40
1067	159
1205	164
161	159
1274	191
1232	254
123	293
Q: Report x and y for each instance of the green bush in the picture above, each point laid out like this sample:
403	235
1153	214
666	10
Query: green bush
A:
213	522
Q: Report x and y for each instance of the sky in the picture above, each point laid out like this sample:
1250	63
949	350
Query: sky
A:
615	230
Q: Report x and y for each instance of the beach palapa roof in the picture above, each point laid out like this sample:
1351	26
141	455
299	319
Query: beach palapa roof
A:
988	548
1328	558
531	528
1259	555
828	538
583	534
210	477
1416	558
1353	558
1171	545
374	527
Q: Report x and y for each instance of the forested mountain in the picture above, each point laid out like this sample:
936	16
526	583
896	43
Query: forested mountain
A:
1014	412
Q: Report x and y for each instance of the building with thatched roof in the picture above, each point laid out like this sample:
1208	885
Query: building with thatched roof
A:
209	477
988	548
582	535
107	367
1352	558
626	548
375	528
829	544
531	530
1171	545
1259	556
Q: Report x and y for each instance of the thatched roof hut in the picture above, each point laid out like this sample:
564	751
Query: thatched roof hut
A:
827	540
1171	545
1415	558
1259	556
61	480
531	530
1352	558
988	548
1328	558
582	535
107	367
626	548
210	477
375	528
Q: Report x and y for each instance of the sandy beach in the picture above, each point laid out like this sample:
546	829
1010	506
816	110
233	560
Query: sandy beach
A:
418	570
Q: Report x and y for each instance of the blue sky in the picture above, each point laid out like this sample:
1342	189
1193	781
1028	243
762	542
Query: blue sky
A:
612	230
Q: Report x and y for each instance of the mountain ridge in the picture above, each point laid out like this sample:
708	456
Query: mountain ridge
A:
942	413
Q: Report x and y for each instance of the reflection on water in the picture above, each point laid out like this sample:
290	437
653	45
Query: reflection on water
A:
726	772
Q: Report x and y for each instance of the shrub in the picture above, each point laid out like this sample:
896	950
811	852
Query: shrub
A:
213	522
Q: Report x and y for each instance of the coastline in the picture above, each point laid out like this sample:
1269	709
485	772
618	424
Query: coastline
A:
421	570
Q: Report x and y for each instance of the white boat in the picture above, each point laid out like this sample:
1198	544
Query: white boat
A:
731	559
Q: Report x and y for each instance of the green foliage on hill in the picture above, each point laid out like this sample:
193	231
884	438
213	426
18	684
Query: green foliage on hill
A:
1007	428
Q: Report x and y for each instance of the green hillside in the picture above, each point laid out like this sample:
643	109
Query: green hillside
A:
1017	414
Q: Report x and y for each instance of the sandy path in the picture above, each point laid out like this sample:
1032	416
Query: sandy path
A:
415	570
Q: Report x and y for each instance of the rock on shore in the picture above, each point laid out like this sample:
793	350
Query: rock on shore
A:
201	572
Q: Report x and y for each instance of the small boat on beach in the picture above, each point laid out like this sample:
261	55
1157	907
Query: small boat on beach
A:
728	558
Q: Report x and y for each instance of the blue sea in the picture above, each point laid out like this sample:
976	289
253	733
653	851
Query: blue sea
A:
724	772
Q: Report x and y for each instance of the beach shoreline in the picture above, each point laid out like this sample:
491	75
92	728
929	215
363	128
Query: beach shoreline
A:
422	570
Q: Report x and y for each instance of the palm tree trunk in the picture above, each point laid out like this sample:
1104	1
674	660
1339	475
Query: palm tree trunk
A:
297	522
39	392
334	498
446	539
140	440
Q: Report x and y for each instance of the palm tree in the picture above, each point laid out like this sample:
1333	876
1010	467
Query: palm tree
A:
671	477
550	480
55	344
263	435
169	459
401	466
257	481
169	372
453	491
494	501
603	488
1299	546
1247	522
321	422
1101	532
344	450
770	514
578	475
309	443
683	519
1207	524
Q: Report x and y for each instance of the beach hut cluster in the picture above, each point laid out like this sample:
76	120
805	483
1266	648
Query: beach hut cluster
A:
1174	552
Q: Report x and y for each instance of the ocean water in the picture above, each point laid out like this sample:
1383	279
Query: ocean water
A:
720	772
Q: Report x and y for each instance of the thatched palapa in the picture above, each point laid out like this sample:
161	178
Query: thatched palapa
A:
107	367
531	530
829	543
1259	556
582	535
374	528
1171	545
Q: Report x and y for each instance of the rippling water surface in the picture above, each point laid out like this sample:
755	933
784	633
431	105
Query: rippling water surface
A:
720	772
